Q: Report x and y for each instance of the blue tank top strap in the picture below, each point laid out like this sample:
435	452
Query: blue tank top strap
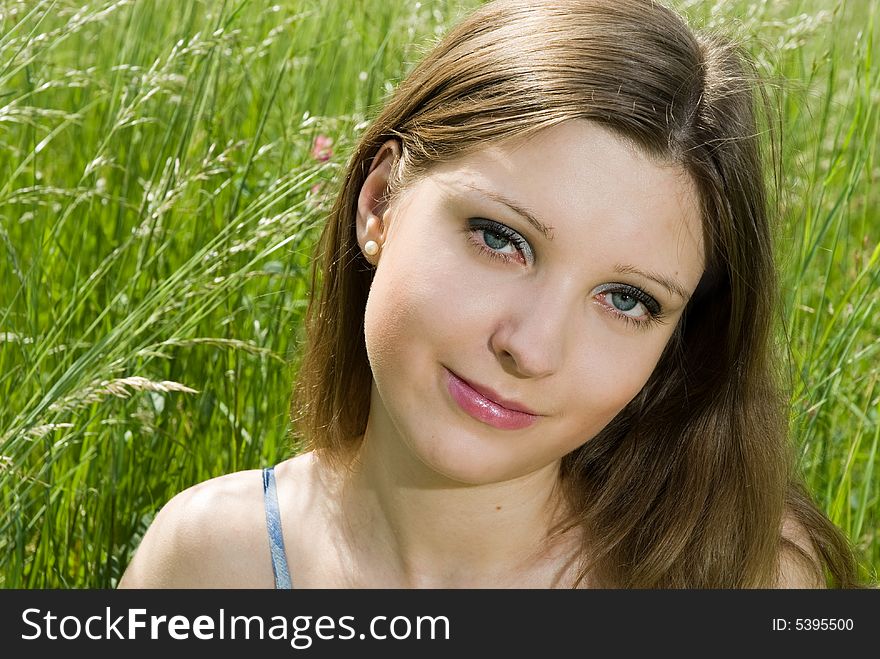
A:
273	523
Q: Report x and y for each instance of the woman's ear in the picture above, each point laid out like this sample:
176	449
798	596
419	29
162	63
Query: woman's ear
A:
373	201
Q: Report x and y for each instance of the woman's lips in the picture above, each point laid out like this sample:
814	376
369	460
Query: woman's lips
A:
484	409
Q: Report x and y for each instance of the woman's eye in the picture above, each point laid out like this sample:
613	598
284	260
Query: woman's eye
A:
624	303
498	241
494	240
622	300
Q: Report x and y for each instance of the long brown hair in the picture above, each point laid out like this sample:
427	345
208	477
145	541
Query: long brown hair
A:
688	486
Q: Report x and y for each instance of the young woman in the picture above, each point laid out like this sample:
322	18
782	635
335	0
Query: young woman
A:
540	337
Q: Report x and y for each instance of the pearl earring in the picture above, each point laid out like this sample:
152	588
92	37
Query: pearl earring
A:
371	247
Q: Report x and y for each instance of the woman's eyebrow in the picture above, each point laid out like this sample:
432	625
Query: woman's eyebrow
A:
517	208
670	284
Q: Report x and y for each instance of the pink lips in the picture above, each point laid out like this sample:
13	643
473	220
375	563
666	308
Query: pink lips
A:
484	409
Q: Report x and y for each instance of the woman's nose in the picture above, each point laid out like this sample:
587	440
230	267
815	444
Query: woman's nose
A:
531	335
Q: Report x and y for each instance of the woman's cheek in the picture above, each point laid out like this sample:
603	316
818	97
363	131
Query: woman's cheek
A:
610	382
400	311
387	318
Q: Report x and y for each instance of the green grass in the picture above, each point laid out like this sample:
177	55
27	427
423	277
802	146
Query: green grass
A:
158	202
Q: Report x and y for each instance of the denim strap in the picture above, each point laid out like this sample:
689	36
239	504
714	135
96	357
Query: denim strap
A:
273	523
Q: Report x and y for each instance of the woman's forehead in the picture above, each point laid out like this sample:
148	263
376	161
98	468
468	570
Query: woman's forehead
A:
588	188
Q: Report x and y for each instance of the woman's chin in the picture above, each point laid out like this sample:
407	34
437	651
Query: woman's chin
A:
472	465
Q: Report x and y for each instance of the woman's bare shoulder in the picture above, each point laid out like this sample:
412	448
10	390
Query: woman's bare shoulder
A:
799	565
210	535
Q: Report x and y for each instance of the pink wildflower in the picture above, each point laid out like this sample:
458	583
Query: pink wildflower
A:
321	148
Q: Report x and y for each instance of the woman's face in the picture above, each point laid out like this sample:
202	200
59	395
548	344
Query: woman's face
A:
468	289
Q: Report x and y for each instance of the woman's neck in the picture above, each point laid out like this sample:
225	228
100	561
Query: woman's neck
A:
407	526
